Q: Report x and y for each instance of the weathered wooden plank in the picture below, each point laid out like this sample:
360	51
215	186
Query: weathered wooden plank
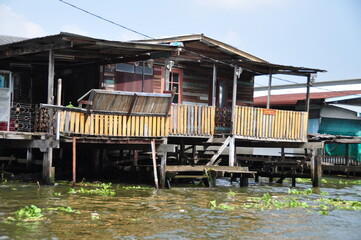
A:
141	126
111	122
106	124
202	168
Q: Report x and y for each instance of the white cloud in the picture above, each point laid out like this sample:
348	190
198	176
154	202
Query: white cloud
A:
15	24
237	4
74	29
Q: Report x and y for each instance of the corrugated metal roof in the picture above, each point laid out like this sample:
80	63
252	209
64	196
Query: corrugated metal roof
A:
208	41
352	108
128	102
292	99
5	39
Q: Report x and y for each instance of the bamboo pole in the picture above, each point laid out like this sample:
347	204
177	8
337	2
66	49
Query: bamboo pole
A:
154	164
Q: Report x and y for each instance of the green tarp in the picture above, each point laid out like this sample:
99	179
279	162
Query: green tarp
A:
341	127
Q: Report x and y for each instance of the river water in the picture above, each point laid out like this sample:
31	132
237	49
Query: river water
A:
178	213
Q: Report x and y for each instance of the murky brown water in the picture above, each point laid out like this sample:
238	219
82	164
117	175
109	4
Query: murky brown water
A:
176	214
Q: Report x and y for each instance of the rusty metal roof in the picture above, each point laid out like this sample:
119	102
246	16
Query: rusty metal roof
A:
73	49
128	102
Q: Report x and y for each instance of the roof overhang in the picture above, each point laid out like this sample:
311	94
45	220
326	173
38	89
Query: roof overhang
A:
239	58
77	49
352	108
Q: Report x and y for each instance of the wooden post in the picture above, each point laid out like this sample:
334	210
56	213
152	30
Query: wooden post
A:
51	78
347	158
48	174
152	143
269	89
74	160
243	180
307	103
316	168
232	146
163	164
293	182
214	84
232	152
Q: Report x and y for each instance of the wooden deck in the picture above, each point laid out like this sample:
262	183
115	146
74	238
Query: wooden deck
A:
204	168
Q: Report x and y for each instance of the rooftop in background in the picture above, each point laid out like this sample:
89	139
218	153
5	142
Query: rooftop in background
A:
4	39
237	57
292	99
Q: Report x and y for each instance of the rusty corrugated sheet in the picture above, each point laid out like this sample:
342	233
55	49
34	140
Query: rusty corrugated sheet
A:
128	102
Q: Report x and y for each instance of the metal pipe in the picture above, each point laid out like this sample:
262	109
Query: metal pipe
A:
307	103
269	89
58	101
214	81
74	160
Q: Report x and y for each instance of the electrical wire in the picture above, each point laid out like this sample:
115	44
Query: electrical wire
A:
107	20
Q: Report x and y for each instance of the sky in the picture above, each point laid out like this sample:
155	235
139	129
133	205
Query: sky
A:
323	34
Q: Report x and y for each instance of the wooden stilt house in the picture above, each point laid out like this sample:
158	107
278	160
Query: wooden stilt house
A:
190	95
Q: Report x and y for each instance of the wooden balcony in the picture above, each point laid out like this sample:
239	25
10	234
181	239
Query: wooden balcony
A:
183	121
270	124
191	120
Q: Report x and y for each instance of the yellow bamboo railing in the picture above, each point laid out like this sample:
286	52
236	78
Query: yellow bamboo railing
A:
268	124
191	120
73	122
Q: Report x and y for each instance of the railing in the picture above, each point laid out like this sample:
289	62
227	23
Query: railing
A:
76	121
340	160
191	120
270	124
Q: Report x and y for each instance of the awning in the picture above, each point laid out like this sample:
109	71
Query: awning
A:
127	102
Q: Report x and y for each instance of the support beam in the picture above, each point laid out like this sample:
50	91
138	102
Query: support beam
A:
214	85
51	78
316	168
243	180
232	152
163	164
74	161
48	176
269	89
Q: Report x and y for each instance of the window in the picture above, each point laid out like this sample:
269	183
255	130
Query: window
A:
131	68
4	79
176	84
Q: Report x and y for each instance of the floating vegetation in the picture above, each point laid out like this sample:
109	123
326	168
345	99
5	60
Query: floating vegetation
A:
231	193
137	187
57	194
103	190
94	216
222	206
340	204
63	210
28	213
303	180
268	202
354	182
300	192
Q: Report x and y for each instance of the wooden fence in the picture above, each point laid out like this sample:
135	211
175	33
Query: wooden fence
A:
72	122
191	120
340	160
270	124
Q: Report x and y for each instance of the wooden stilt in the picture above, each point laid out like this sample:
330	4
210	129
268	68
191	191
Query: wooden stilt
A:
74	160
48	177
154	164
232	152
316	168
163	164
293	182
256	178
243	181
212	175
347	159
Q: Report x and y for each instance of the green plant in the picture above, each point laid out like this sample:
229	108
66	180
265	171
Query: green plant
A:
300	192
137	187
222	206
231	193
63	210
57	194
104	190
31	212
